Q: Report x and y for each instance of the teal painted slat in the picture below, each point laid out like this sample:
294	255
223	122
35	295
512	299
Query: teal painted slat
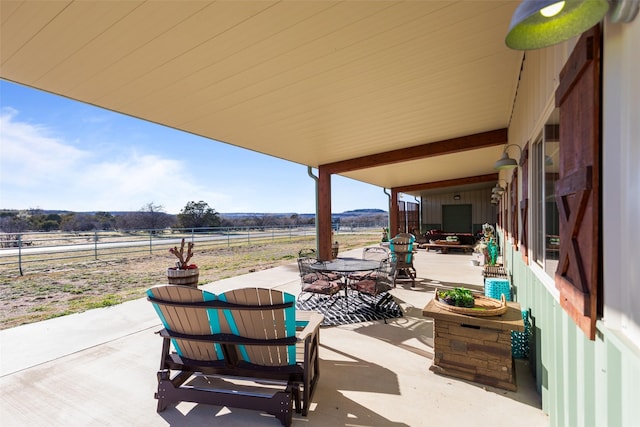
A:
163	320
214	322
234	328
290	325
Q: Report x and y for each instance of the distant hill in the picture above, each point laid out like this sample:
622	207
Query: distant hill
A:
352	213
358	212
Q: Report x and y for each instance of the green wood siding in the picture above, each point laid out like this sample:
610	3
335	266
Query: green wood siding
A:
582	382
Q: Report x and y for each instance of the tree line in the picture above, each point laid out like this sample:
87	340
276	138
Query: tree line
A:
150	216
153	217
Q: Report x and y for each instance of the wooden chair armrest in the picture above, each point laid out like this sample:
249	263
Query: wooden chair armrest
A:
311	320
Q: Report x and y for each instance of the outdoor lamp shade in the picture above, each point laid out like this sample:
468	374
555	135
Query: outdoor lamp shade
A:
530	29
505	162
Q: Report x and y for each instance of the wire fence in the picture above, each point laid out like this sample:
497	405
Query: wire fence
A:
19	250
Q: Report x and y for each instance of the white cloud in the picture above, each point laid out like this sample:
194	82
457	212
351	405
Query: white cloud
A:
40	170
121	167
30	156
138	180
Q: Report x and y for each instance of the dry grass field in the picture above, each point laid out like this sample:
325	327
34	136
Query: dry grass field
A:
60	288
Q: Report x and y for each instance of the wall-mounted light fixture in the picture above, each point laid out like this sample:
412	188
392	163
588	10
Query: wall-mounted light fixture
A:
498	189
507	162
456	197
541	23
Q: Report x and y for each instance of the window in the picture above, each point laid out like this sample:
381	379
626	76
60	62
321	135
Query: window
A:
546	239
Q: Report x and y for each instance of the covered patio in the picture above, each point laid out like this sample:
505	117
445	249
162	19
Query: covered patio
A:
418	98
98	367
407	96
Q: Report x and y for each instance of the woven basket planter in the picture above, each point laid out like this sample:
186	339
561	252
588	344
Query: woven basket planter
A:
484	306
187	277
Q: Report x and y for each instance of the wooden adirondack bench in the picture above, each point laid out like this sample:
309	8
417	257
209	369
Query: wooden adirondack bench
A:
251	334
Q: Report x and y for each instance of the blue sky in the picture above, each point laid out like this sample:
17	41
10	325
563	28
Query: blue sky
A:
61	154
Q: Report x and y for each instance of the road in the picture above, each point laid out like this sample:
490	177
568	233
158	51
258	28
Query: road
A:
153	241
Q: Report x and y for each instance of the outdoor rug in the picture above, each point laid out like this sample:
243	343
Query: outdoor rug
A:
339	311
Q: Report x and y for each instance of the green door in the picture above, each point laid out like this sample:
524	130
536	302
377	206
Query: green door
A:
456	218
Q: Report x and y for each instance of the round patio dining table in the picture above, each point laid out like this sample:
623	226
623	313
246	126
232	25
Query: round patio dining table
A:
346	265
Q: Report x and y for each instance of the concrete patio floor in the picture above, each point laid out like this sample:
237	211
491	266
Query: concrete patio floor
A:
99	367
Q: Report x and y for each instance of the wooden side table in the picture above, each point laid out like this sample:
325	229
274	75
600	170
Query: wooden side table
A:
475	348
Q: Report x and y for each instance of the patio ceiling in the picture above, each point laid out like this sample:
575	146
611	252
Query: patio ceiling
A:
314	83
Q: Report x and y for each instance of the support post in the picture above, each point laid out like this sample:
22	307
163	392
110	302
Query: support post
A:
389	236
317	196
323	221
393	214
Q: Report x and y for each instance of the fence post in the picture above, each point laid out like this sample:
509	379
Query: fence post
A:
20	254
95	245
150	242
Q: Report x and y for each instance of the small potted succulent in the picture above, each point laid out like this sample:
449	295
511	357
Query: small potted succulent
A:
183	273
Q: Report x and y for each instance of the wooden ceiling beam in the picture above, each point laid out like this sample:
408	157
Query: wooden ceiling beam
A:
447	183
439	148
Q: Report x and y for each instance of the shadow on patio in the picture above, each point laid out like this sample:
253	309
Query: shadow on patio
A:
99	367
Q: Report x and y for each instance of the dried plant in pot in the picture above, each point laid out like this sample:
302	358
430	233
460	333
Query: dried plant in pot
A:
183	273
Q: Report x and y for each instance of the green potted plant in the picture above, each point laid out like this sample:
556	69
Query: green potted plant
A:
459	297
